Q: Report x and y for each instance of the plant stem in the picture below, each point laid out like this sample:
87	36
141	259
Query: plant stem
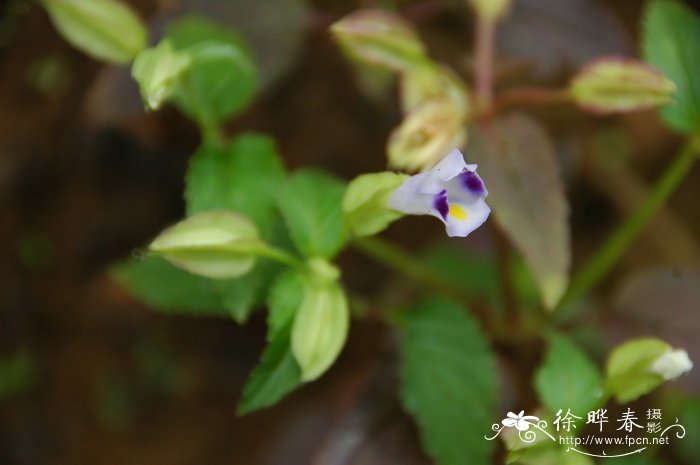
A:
483	63
273	253
395	258
530	96
618	243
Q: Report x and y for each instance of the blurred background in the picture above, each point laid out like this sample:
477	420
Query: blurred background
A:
89	375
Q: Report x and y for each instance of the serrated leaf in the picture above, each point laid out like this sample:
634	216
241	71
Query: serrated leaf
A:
244	177
104	29
671	42
167	288
567	378
222	78
278	372
449	382
518	162
310	203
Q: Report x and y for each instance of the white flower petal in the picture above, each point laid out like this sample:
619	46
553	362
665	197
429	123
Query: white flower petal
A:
452	191
448	168
462	223
672	364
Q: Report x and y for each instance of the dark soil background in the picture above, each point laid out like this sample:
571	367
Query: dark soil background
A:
87	177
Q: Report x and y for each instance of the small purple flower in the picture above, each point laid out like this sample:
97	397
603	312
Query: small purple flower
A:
452	191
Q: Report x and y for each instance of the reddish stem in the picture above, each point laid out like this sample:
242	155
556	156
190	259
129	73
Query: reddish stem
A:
483	63
530	96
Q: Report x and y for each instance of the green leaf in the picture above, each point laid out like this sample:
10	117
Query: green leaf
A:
449	382
567	378
104	29
244	177
310	203
671	42
216	244
365	203
320	328
518	164
165	287
157	71
193	30
628	371
222	78
476	274
19	372
380	38
609	85
278	372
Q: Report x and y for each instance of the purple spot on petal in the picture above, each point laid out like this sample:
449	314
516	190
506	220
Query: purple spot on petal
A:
441	204
472	182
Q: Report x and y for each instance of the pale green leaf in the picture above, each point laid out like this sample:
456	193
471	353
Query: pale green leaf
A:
628	374
104	29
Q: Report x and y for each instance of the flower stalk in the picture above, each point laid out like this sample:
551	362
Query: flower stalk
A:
619	241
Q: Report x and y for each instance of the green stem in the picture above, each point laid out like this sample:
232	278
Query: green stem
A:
618	243
395	258
273	253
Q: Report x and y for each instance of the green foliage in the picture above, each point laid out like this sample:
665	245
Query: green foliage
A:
278	372
477	275
310	203
104	29
365	203
215	244
321	325
671	42
449	382
222	78
567	378
610	85
628	374
244	176
157	71
518	164
164	287
19	372
380	38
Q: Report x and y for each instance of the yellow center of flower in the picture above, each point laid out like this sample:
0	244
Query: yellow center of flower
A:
458	212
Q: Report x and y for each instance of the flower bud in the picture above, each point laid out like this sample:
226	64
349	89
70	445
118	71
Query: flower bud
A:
610	85
491	9
105	29
321	323
157	71
380	38
639	366
365	203
215	244
430	82
672	364
432	129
